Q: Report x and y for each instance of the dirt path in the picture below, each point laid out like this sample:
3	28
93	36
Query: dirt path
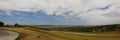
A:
26	34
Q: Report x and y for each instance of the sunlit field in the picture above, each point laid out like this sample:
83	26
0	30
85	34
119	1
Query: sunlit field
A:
30	33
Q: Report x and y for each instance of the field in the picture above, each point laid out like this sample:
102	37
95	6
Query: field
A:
29	33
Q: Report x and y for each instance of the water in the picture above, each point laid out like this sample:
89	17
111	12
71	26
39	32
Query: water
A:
8	35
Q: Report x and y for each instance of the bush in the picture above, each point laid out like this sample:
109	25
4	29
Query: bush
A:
1	24
17	25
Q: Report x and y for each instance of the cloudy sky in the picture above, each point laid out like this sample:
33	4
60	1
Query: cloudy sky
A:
60	12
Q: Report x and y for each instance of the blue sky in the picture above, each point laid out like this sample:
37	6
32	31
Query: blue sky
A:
60	12
38	18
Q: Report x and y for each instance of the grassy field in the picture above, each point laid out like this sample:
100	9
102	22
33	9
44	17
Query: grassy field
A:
28	33
76	37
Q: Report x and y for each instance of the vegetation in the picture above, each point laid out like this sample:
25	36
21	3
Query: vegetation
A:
102	28
29	33
17	25
1	24
76	37
34	33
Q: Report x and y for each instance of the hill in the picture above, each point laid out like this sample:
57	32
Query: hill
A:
100	28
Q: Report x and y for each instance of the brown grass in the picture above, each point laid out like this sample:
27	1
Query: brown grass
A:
28	33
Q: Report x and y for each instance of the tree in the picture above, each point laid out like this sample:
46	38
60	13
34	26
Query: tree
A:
17	25
7	26
1	24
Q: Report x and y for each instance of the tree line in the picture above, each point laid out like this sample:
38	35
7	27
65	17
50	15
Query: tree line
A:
2	24
102	28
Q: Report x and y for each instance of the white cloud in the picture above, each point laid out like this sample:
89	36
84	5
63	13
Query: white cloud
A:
91	10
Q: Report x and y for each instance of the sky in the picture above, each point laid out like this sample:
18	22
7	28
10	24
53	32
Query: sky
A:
60	12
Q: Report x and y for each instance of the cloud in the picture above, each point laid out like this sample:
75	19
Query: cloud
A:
94	11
